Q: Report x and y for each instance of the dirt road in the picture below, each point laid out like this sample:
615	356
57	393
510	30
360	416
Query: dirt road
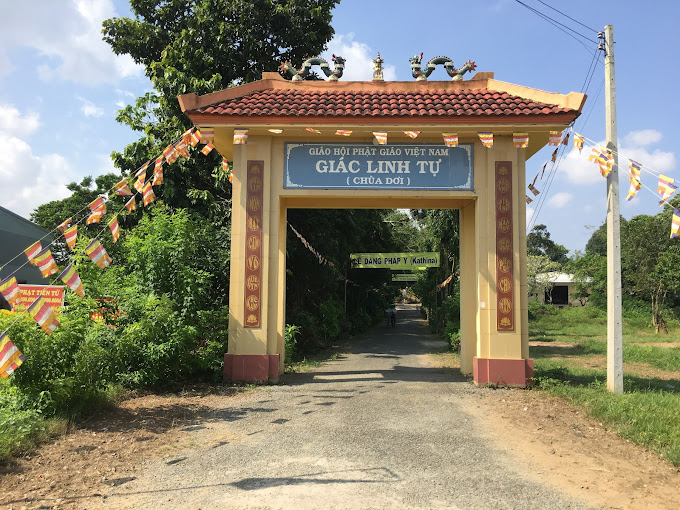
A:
383	426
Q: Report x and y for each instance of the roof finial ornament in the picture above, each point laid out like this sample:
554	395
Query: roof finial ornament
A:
286	69
456	74
377	68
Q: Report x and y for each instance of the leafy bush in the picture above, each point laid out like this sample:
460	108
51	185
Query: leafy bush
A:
290	339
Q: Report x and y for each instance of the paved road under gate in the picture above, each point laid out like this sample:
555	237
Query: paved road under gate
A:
376	428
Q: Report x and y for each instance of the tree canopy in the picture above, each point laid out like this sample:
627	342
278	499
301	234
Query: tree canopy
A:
539	243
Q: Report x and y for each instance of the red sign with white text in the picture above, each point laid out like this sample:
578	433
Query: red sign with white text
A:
53	294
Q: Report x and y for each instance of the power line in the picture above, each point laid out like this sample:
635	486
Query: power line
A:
567	16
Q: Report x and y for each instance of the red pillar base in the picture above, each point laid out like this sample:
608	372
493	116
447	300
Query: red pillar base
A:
260	368
516	373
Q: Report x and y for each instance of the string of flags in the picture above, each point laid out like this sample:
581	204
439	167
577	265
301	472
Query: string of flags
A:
40	310
322	260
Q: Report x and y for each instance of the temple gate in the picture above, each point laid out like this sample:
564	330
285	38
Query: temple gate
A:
292	129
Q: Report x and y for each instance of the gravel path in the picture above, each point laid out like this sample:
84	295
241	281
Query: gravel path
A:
376	428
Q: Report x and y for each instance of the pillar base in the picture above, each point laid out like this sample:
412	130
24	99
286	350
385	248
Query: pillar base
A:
262	368
517	373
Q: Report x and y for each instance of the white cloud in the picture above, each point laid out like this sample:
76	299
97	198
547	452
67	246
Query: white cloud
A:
13	122
27	180
359	59
579	170
89	109
559	200
68	34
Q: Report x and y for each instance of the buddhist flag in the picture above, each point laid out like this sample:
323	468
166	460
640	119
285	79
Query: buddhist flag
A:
46	263
666	188
240	136
139	184
533	190
634	178
276	131
113	226
70	277
450	139
195	138
98	203
381	137
121	188
186	136
32	251
158	163
208	148
554	138
11	358
206	135
412	134
553	158
520	140
149	195
603	157
131	204
141	173
565	140
487	139
343	132
225	165
157	177
543	171
312	130
579	141
10	291
170	155
44	315
98	254
528	200
64	224
181	148
96	215
675	223
231	176
71	235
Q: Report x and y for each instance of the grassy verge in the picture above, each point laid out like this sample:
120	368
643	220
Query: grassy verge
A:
309	364
569	362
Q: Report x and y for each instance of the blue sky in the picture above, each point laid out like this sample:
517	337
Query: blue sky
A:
60	86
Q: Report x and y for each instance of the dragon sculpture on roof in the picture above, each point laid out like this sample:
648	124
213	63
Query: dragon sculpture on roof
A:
286	69
456	74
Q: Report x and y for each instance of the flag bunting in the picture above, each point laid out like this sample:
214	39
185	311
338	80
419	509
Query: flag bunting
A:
666	188
32	251
675	223
98	203
122	188
578	142
46	263
634	178
381	137
10	291
64	224
44	315
520	140
343	132
240	136
312	130
412	134
11	358
450	139
206	135
98	254
603	157
113	226
149	196
96	215
131	204
486	138
533	190
208	148
70	277
554	138
71	235
141	173
528	200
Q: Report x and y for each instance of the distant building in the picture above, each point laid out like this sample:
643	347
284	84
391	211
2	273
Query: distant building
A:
17	234
562	289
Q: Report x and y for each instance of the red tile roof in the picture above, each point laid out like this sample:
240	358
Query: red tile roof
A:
341	104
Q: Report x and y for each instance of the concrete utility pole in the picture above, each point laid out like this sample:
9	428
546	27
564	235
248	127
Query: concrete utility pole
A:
614	320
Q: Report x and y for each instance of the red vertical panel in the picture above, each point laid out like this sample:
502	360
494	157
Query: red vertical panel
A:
253	239
505	302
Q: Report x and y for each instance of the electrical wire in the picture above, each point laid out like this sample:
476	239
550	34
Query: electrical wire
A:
567	16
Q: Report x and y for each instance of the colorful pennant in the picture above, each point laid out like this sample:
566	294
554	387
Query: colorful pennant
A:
157	177
486	138
603	157
195	138
113	226
528	200
10	291
96	215
170	155
520	140
412	134
98	254
208	148
554	138
141	173
158	163
98	203
64	224
225	165
634	178
139	183
46	263
275	131
131	204
32	251
121	188
343	132
240	136
381	137
675	223
148	194
553	158
70	277
206	135
181	148
666	188
543	171
11	358
71	235
579	141
565	140
450	139
312	130
44	315
533	189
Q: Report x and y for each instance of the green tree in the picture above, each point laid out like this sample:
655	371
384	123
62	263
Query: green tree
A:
539	243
